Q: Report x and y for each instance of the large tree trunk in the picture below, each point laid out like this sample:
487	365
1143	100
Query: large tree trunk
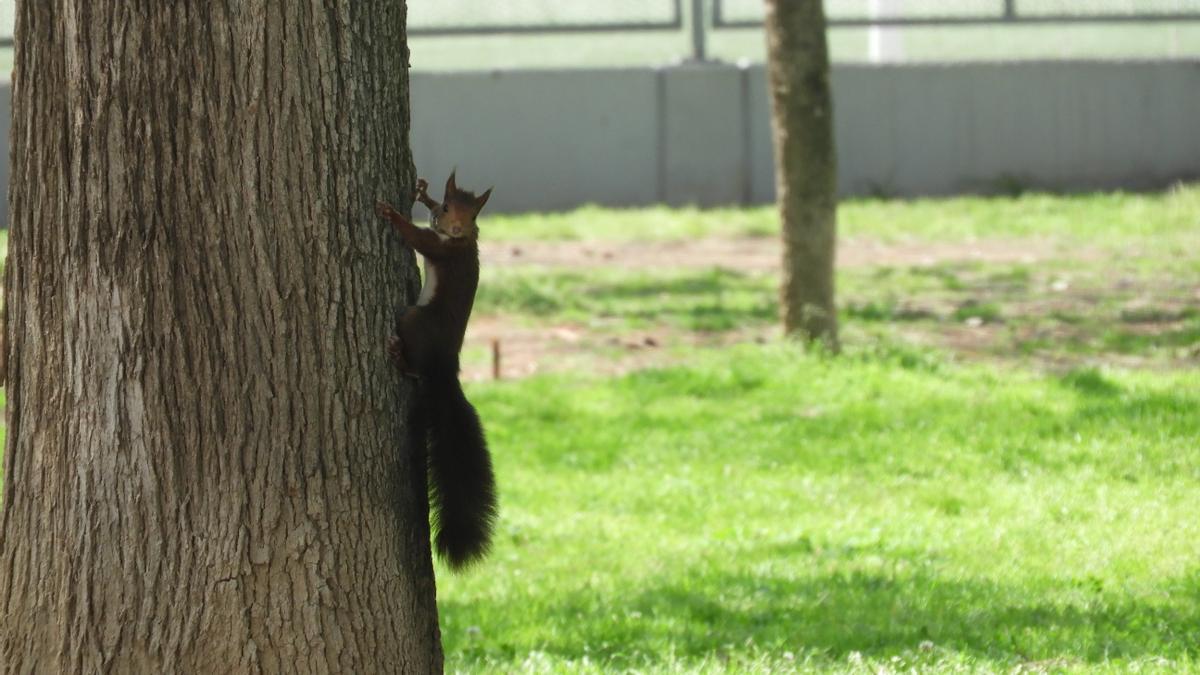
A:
205	468
805	164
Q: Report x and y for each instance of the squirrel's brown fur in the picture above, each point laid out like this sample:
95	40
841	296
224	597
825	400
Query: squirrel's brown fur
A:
426	344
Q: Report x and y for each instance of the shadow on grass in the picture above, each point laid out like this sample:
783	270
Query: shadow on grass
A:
707	300
1158	415
888	310
708	283
875	614
879	615
1136	342
1090	381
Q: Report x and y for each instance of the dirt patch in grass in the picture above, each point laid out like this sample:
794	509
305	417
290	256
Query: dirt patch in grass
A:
1029	300
526	349
763	254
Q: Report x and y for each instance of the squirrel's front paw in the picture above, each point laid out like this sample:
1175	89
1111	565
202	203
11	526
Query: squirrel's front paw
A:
383	209
422	186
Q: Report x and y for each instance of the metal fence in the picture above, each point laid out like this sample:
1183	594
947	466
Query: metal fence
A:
522	33
481	17
748	13
622	32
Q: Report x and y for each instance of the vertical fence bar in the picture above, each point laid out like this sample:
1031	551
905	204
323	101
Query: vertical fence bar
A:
699	52
1010	10
885	44
660	134
747	132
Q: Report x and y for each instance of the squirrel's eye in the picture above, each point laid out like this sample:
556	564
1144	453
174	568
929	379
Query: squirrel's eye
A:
445	208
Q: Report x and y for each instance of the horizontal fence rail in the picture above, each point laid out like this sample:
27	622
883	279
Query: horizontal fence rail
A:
726	14
606	18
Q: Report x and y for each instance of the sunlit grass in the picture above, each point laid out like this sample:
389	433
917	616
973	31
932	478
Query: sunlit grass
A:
759	509
763	509
1158	222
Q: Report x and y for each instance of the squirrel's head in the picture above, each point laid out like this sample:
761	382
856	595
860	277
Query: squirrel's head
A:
455	218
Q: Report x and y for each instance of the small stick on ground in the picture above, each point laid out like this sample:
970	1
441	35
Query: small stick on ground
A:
495	359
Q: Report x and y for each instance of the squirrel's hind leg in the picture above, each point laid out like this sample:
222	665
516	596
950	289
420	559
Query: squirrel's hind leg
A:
406	345
395	350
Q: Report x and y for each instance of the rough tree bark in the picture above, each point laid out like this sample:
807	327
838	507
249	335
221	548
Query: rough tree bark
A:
805	165
204	469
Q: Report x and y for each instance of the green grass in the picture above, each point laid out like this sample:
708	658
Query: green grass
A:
642	224
1158	222
1154	222
763	509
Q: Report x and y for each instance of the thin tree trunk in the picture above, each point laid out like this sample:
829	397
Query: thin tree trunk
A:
205	468
805	165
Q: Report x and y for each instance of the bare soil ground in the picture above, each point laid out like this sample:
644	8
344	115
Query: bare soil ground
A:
760	253
526	348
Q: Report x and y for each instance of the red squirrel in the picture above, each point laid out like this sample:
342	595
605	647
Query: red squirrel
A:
426	343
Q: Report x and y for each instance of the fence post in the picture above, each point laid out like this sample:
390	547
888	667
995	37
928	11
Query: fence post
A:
885	44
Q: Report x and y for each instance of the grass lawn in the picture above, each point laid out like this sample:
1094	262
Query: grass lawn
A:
903	507
765	510
1108	219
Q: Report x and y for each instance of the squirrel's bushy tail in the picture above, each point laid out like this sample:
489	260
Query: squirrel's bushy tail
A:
462	488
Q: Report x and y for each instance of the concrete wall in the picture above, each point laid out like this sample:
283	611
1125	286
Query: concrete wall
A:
701	133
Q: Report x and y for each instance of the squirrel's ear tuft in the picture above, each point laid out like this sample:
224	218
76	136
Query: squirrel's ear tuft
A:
481	200
451	188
